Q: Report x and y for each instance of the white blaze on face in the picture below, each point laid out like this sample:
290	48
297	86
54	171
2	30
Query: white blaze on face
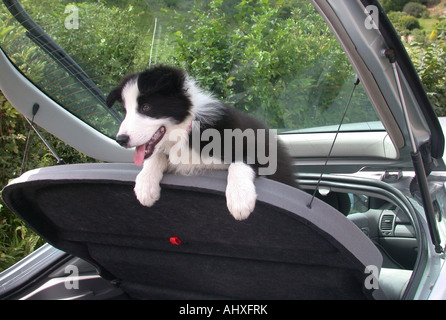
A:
138	127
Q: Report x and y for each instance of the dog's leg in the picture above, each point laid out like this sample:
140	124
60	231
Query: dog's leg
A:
241	193
147	185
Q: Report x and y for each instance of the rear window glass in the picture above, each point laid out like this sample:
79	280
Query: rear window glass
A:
277	60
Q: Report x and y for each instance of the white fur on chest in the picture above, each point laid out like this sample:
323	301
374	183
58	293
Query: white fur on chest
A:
190	162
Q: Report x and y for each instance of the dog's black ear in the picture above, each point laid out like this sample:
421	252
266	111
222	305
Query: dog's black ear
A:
116	93
113	96
162	79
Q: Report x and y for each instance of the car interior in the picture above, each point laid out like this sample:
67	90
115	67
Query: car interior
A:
384	223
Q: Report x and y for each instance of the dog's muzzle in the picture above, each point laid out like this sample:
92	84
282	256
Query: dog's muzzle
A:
122	139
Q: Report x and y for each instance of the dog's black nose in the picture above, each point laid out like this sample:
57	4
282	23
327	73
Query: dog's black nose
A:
122	139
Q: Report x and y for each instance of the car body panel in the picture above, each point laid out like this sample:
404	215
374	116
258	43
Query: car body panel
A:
365	47
23	94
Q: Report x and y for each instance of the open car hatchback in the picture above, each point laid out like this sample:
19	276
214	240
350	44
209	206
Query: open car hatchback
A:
333	78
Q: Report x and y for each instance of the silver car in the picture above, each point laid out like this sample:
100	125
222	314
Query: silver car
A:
334	79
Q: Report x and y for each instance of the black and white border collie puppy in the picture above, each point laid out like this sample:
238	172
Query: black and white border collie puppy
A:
164	100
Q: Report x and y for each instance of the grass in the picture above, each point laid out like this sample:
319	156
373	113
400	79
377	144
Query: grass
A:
439	10
428	24
16	240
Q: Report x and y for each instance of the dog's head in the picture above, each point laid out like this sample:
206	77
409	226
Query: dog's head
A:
155	101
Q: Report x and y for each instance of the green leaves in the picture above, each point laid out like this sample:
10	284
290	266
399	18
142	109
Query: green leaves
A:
430	62
264	58
16	240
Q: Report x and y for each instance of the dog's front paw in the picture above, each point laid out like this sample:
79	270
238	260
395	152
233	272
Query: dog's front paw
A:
241	203
241	193
147	191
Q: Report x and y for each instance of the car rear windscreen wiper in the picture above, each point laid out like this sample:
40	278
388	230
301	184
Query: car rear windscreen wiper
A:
44	41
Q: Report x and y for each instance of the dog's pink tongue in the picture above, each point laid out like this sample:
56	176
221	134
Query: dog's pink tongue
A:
138	157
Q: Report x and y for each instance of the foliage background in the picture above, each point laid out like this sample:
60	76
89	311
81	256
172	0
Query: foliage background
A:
423	32
248	52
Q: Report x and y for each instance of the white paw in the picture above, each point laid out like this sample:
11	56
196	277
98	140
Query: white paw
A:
241	193
241	202
147	190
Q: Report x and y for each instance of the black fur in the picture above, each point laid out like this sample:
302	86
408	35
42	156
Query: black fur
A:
233	119
115	94
162	89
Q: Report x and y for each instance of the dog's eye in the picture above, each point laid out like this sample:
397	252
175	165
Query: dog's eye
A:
145	107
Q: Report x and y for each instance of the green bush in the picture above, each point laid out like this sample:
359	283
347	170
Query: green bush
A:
414	9
261	59
403	22
419	36
395	16
393	5
409	23
430	63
